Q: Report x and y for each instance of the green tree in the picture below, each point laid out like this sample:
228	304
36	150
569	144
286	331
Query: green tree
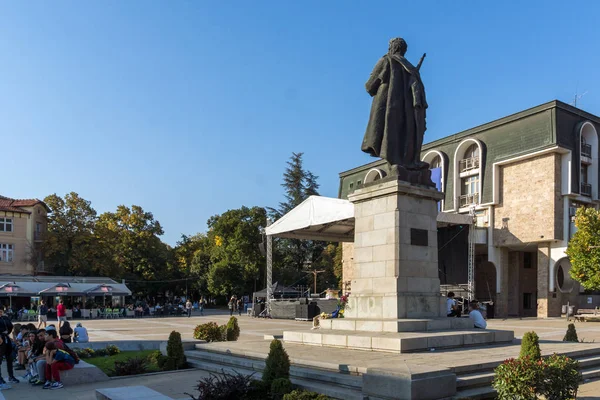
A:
530	346
235	258
71	246
131	242
293	258
584	249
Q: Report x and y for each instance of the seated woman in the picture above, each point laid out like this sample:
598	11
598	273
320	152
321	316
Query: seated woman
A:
475	316
81	334
65	332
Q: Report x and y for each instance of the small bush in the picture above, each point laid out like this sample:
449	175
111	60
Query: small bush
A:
561	378
154	357
530	346
225	387
277	364
280	387
85	353
101	353
223	333
232	330
571	335
517	379
112	350
131	366
209	332
175	350
304	395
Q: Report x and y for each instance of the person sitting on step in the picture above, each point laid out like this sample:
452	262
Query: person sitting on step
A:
56	360
475	315
452	308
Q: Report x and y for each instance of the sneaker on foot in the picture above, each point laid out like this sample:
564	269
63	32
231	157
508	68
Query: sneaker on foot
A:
37	382
56	385
47	385
2	381
12	379
4	386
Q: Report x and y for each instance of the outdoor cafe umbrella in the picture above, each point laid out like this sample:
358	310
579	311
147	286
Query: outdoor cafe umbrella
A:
11	290
104	290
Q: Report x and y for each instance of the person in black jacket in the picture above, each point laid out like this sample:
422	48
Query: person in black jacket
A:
6	349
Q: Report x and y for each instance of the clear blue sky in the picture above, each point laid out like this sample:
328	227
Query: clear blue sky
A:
190	108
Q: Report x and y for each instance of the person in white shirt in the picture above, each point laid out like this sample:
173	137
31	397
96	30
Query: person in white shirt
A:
452	308
81	334
475	316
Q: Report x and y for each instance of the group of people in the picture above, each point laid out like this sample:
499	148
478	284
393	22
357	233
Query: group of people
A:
41	352
453	310
235	304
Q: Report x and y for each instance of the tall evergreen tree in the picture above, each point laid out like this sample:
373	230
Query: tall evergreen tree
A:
293	257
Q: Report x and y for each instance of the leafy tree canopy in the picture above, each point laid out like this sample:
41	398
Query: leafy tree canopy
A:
584	249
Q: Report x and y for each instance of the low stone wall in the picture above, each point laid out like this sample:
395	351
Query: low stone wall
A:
135	345
286	309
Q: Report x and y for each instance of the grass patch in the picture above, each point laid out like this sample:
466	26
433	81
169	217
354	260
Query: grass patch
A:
107	363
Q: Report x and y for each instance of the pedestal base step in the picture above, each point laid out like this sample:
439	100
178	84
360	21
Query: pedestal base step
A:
402	342
396	325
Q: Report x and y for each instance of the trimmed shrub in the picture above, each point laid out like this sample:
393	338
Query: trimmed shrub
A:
280	387
209	332
530	346
304	395
223	333
571	335
277	364
131	366
561	378
175	350
517	379
85	353
112	350
232	330
225	387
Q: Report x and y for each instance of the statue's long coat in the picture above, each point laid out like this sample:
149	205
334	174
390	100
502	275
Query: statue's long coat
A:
397	121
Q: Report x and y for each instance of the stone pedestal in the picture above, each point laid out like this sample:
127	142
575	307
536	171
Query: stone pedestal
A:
395	253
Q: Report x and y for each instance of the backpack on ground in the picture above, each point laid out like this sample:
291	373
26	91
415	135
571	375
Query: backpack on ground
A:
71	353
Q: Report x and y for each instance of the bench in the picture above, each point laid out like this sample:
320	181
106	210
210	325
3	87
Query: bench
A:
586	313
83	373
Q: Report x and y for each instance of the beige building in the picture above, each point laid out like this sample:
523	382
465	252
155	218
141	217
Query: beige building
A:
23	225
523	176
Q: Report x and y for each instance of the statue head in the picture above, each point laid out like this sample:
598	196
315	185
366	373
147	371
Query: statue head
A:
398	45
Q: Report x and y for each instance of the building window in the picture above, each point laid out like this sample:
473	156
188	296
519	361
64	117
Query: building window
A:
6	225
351	185
527	301
470	159
358	183
6	252
586	149
586	188
436	163
470	190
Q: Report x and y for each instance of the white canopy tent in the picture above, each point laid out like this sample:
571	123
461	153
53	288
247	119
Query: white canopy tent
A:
317	218
329	219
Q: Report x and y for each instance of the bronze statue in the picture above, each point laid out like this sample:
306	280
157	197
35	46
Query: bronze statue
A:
397	121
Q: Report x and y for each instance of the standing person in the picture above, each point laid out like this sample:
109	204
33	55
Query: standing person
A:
81	334
201	305
452	308
65	332
231	305
6	349
61	313
188	308
240	306
43	314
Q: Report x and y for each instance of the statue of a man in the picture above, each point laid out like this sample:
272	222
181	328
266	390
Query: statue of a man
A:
397	121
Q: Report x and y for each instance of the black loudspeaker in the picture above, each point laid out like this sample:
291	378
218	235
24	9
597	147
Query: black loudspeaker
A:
313	310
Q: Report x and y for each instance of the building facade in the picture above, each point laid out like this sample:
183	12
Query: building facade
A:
523	177
23	226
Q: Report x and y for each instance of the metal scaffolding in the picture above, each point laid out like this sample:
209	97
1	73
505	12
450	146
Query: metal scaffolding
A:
471	260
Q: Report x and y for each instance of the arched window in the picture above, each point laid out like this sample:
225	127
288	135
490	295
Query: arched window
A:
470	158
436	162
468	174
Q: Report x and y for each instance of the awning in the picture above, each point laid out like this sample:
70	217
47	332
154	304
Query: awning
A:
317	218
108	290
444	219
61	289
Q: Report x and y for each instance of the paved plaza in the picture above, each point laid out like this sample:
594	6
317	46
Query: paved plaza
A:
252	341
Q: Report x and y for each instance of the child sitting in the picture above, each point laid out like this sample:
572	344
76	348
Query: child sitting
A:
56	360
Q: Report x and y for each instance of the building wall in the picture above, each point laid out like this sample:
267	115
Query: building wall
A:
530	208
21	244
347	265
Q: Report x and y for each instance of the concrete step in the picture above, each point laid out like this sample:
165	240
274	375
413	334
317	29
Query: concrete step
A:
587	362
475	380
475	394
327	384
251	365
591	373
